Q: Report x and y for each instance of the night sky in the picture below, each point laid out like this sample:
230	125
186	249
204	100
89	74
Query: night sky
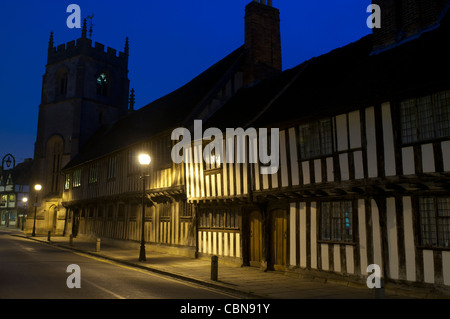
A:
170	43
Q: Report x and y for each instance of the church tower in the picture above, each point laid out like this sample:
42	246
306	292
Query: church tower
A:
84	87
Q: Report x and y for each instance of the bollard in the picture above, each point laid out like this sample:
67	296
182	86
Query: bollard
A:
48	235
71	240
97	247
214	268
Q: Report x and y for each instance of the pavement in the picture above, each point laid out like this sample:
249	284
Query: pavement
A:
246	282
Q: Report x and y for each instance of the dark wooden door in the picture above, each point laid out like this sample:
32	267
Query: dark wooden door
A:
256	240
76	222
279	239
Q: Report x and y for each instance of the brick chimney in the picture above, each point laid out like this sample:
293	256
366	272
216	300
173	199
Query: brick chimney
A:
403	19
262	41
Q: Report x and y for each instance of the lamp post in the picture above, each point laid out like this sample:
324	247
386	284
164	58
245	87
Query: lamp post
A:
24	200
144	160
37	188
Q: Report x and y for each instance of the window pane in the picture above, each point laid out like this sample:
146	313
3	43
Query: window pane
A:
67	183
326	221
326	137
443	206
337	221
427	221
315	139
77	178
442	101
409	122
347	225
304	142
425	115
112	167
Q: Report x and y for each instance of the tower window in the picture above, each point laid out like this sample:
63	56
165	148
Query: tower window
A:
61	82
63	85
102	84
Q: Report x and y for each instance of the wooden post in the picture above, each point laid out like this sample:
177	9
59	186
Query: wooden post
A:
214	268
97	247
71	240
265	228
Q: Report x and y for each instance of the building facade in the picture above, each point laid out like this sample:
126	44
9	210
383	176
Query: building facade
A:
14	191
364	160
362	176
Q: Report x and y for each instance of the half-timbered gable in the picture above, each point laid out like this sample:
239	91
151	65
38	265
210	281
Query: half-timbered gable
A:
363	173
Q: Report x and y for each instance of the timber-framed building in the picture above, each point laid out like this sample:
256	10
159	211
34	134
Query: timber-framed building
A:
364	157
364	170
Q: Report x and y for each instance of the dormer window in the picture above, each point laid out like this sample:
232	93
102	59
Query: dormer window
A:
102	84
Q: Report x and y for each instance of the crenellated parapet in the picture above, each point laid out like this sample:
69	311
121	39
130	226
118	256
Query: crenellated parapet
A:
88	47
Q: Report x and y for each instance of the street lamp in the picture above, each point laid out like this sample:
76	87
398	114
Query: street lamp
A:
144	160
24	200
37	188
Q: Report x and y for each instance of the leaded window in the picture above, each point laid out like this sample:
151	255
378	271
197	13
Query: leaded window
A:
219	218
112	164
93	174
316	139
76	178
434	218
337	221
425	118
67	182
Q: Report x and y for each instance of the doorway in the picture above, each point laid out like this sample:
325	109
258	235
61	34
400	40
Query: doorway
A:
256	239
279	239
52	218
75	222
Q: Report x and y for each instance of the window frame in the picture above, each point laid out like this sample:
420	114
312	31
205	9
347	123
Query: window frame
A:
225	219
436	226
316	140
112	167
419	125
67	180
328	234
76	178
93	174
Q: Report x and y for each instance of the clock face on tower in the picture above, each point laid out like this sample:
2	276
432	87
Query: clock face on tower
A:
102	82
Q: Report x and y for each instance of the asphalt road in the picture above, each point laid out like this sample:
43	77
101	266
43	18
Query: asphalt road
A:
32	270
